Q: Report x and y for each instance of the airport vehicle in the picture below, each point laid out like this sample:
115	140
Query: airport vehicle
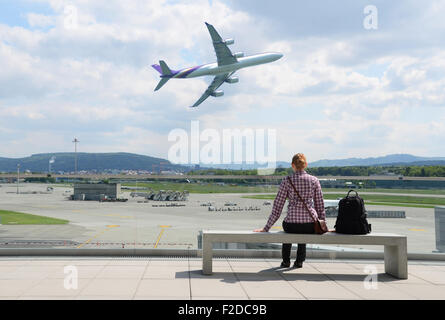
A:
206	204
168	195
227	64
150	195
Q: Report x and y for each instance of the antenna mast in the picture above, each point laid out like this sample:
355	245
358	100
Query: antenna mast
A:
75	141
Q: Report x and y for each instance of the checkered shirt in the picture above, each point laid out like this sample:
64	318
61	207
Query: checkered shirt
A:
309	189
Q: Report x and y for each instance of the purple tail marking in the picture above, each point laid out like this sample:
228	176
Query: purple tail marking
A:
157	67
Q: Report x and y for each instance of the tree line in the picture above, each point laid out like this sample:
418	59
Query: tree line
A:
407	171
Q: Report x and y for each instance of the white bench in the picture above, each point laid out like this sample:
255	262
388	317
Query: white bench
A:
395	246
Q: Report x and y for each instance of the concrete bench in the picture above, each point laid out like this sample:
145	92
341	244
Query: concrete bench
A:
395	246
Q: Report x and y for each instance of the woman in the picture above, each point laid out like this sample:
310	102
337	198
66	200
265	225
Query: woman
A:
298	219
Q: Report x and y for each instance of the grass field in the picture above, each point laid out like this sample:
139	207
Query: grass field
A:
379	190
400	204
414	200
202	188
229	188
15	218
376	199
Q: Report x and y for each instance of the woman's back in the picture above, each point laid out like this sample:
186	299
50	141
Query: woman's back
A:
309	189
305	185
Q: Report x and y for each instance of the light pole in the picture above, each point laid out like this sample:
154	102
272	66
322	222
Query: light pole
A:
18	177
75	141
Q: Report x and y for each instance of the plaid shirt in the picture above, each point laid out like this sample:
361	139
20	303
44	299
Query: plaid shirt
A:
309	189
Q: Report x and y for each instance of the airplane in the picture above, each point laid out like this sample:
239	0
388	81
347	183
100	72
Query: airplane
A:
227	64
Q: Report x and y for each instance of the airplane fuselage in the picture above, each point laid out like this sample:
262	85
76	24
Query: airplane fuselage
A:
222	71
213	69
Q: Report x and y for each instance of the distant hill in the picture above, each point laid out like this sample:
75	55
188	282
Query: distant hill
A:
87	161
101	162
392	159
389	160
242	166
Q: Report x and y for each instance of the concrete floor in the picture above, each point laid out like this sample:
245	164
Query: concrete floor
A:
132	224
182	279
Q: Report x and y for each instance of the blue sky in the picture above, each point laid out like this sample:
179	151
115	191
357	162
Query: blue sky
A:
339	91
13	12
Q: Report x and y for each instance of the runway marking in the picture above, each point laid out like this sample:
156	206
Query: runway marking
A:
160	235
413	229
118	216
100	233
279	228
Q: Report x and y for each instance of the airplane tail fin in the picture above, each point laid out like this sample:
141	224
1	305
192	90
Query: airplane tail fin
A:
165	69
162	68
165	72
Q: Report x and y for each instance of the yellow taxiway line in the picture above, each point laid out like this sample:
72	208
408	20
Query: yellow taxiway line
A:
100	233
160	235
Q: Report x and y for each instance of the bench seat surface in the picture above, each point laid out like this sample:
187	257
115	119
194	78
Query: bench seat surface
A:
281	236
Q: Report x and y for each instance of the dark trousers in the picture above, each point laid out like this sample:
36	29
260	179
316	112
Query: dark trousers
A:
296	228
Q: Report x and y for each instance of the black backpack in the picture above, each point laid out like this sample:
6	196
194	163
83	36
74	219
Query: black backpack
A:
351	217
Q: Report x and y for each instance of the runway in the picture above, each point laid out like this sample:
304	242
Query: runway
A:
140	225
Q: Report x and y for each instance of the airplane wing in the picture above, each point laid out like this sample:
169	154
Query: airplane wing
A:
216	83
223	53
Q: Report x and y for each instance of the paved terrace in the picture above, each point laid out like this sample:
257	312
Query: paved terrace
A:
245	279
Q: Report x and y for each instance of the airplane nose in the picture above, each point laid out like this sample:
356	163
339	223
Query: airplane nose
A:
278	56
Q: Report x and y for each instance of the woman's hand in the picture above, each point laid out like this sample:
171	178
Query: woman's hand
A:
259	230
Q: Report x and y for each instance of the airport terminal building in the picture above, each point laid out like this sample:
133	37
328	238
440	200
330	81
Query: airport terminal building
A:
96	191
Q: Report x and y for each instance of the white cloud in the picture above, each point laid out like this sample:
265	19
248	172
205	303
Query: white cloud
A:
40	20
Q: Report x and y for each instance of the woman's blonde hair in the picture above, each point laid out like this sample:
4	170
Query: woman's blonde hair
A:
300	162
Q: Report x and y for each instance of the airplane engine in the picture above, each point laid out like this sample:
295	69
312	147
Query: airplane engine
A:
228	42
232	80
218	93
239	55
